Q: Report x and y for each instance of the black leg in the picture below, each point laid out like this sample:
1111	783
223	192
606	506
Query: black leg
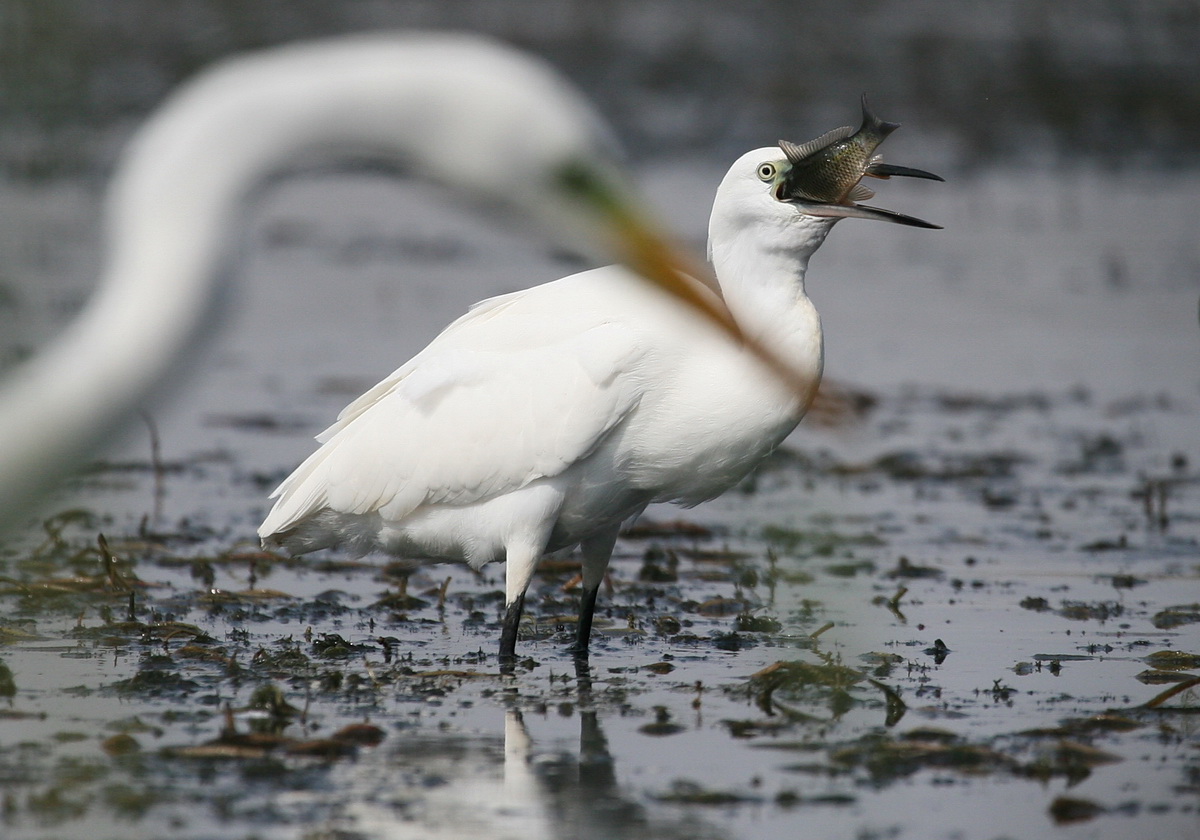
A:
583	631
596	549
508	632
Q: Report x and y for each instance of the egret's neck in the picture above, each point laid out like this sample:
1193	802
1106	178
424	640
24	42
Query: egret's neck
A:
762	278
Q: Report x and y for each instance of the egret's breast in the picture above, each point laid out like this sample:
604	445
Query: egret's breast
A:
721	416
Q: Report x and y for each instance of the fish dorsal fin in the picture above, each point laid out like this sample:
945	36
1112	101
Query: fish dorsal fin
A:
861	192
797	152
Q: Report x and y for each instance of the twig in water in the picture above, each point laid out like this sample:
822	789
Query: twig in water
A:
1178	688
109	563
827	625
156	465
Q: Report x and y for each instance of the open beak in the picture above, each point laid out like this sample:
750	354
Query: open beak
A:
860	211
853	210
879	169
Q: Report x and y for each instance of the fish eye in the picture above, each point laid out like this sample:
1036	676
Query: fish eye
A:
767	171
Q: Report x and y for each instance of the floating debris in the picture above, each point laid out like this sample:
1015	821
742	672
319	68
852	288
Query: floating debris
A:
1094	611
684	792
1065	810
122	744
1080	727
234	745
8	682
1177	616
1157	677
827	683
721	606
886	759
938	651
747	623
333	646
906	569
663	725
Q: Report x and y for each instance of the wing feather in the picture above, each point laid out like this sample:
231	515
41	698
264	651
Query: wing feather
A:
506	395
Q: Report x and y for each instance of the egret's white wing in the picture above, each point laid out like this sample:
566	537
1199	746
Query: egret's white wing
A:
515	390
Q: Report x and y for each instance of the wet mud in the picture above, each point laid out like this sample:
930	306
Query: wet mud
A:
925	634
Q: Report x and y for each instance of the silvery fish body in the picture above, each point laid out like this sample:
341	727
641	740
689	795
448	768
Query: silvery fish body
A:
828	169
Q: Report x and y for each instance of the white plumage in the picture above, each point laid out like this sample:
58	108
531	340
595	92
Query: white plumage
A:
547	417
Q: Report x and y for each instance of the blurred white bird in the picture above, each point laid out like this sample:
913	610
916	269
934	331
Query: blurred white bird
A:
499	127
546	418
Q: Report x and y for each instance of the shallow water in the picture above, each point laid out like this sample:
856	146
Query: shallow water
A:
1024	489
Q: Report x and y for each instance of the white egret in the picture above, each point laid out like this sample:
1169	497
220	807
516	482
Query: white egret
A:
545	418
498	126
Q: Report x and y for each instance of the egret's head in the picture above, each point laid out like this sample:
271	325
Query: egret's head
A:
748	204
758	193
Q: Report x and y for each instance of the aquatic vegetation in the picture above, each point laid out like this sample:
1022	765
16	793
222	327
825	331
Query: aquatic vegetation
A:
804	543
778	688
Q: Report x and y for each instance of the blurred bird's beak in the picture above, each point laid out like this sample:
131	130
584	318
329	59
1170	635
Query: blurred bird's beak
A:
643	246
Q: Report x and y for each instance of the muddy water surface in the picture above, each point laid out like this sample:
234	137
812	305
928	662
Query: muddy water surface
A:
952	607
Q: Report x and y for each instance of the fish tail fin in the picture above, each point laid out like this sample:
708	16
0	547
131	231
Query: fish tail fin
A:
873	125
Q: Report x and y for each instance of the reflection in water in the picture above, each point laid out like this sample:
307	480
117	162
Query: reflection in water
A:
520	782
582	796
458	786
448	787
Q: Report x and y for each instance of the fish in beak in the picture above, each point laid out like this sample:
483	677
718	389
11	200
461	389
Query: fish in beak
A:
823	176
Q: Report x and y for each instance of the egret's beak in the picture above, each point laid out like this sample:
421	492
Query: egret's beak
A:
860	211
879	169
852	210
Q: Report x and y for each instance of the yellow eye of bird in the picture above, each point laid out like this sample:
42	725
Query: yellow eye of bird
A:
766	171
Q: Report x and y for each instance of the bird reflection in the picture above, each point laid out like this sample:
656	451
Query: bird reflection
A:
580	792
448	786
